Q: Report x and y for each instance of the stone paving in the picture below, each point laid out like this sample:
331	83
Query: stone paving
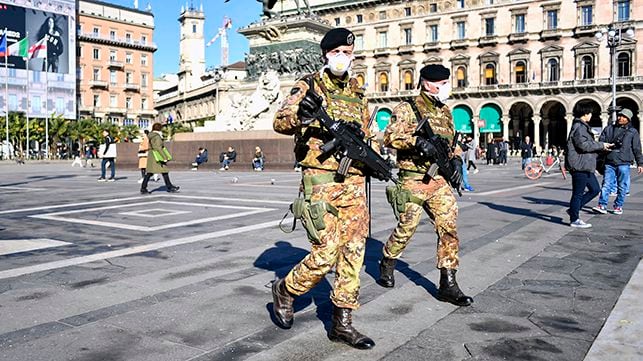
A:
95	271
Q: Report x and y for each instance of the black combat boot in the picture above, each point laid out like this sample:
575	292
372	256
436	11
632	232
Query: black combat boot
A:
343	330
387	266
282	304
449	290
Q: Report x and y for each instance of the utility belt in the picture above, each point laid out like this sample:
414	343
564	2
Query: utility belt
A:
398	196
311	213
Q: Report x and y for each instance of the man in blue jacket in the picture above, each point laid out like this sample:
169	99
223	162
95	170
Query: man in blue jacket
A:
627	149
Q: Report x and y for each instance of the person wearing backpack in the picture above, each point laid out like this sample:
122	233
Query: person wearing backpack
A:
627	149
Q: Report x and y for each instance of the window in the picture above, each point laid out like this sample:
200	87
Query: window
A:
587	67
407	11
113	120
623	10
490	74
460	4
13	102
488	2
383	39
553	70
460	30
113	101
96	32
194	28
143	103
35	77
96	75
96	54
112	76
128	121
128	37
96	102
519	26
128	103
408	80
359	42
383	80
36	104
128	58
337	21
586	15
112	35
433	33
461	77
144	80
360	18
433	8
408	36
489	26
552	19
144	59
112	55
360	79
382	15
128	78
624	64
143	39
520	71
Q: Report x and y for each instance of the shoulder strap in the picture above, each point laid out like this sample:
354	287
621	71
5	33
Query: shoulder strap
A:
414	106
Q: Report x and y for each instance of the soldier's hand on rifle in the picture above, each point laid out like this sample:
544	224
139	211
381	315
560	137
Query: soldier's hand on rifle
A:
309	106
425	147
456	176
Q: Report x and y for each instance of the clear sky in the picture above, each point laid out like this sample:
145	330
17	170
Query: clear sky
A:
166	32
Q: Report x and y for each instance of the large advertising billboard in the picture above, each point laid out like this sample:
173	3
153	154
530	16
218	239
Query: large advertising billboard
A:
43	82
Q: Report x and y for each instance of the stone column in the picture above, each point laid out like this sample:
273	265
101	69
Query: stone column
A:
505	126
476	130
569	119
536	119
546	132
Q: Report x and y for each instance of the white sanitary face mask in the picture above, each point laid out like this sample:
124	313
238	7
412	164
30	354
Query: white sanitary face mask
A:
444	91
339	64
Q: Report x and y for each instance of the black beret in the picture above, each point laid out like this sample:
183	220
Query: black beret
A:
336	37
435	72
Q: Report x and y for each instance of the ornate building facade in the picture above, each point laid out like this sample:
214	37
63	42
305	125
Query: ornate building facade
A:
115	63
518	67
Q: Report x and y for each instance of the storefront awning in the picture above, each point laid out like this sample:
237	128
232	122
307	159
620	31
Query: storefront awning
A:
462	119
490	115
383	117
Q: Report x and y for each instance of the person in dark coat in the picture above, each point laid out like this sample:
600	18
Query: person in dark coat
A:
526	151
580	161
157	161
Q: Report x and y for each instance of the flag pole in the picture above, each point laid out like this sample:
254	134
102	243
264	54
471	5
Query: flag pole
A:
47	103
6	90
27	110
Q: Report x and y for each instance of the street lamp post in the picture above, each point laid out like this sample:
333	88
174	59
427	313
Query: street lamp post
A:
614	35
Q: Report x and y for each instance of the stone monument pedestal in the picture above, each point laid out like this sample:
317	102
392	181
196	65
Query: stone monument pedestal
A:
281	50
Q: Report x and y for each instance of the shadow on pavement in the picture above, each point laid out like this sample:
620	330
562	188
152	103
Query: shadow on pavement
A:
280	259
523	212
534	200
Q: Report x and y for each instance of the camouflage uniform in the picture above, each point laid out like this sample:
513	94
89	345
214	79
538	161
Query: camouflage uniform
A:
436	195
343	240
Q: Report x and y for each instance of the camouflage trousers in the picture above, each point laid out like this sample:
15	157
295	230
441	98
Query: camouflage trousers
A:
441	206
342	243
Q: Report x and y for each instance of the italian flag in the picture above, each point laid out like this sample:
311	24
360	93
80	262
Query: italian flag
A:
39	49
21	48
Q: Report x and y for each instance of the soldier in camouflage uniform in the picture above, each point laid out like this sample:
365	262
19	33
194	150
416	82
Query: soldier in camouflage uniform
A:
434	196
341	243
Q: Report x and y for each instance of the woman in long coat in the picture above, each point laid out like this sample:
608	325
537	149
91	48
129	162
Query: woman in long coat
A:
160	166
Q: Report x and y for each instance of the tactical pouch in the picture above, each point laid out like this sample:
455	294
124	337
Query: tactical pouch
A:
398	197
311	215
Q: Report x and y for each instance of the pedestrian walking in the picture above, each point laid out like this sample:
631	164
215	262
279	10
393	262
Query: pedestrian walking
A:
157	160
616	172
503	148
338	236
471	154
415	193
580	161
107	151
526	151
143	150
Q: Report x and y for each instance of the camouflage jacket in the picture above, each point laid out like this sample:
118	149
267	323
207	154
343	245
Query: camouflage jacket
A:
399	133
343	101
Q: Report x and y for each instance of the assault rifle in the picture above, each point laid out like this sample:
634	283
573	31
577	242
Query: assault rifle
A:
441	161
348	144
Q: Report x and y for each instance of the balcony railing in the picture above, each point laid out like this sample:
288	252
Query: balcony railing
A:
551	34
561	84
405	49
585	30
132	87
98	84
431	46
518	38
115	64
489	40
458	43
381	52
117	40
